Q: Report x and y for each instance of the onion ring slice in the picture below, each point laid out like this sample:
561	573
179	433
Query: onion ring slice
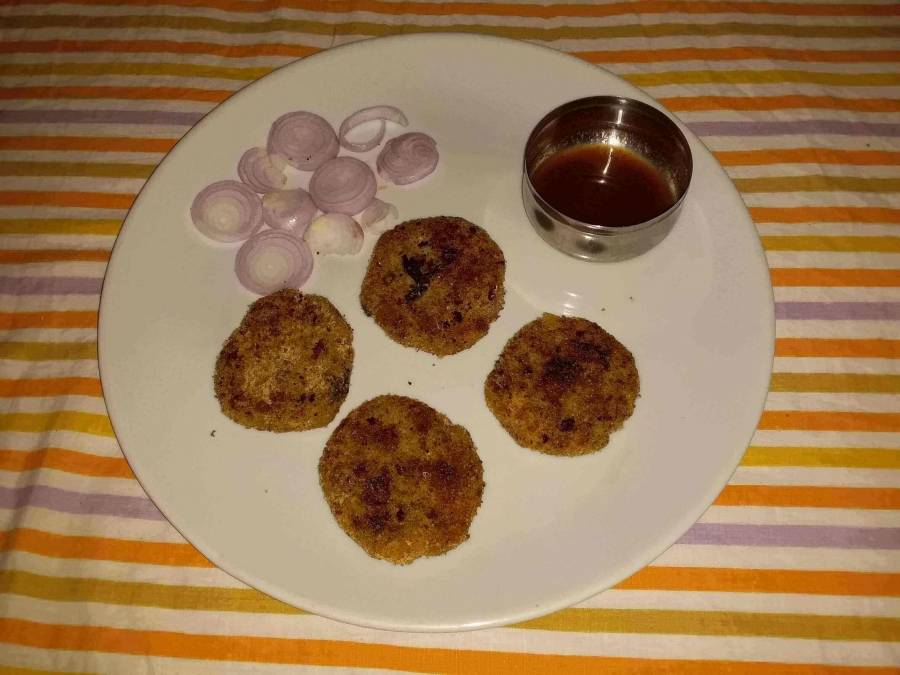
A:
227	211
304	138
407	158
343	185
335	233
377	112
291	210
261	170
271	260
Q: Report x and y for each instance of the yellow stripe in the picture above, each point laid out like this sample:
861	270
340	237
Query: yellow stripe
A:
93	169
203	598
48	351
59	226
817	184
763	77
682	622
835	382
839	244
363	28
125	68
851	458
68	420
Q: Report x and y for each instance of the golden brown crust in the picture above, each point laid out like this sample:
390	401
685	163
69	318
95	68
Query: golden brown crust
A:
401	479
562	385
287	366
435	284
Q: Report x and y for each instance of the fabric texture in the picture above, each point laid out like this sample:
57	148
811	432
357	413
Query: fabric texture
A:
795	568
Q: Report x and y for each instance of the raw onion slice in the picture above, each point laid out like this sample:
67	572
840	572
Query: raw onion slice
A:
288	210
261	170
407	158
343	185
227	211
334	233
378	112
304	138
378	216
271	260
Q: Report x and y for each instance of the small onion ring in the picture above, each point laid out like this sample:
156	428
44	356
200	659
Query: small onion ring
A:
378	216
377	112
291	210
227	211
304	138
407	158
343	185
273	259
334	233
261	170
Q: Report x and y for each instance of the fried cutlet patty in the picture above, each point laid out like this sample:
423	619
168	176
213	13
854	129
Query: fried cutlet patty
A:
401	479
562	385
435	284
287	366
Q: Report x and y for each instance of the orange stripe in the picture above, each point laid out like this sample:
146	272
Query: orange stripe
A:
93	200
834	277
157	46
129	93
87	143
15	320
100	548
807	156
61	459
827	347
736	54
802	420
56	386
521	10
734	580
807	496
826	214
53	255
372	655
699	103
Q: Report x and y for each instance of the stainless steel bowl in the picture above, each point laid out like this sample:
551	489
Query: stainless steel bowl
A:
618	122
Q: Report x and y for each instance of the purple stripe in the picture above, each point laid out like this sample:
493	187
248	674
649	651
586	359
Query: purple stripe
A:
50	285
886	311
100	117
816	536
834	127
78	502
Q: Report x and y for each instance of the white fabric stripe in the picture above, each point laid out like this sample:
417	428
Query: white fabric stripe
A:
796	364
828	439
845	402
837	328
836	260
819	476
772	557
783	515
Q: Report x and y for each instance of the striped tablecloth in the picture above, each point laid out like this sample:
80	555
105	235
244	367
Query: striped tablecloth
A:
795	569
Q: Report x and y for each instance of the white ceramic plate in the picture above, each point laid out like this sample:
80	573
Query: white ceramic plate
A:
696	312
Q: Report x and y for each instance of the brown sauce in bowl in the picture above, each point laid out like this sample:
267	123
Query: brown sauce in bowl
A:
602	185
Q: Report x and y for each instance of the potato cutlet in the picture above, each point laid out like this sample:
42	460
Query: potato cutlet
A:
435	284
287	366
562	385
401	479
